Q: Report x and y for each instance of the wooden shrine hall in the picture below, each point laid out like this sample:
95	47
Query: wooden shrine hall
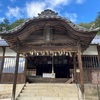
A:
48	41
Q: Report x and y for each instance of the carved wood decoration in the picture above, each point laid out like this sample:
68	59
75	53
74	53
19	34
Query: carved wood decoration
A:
46	32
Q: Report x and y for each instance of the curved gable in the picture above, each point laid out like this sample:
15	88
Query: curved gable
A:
48	29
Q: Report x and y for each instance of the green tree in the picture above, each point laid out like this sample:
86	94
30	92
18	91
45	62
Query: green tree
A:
5	25
86	25
17	23
97	21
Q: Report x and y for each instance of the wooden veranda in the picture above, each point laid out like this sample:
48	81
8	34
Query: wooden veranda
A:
49	34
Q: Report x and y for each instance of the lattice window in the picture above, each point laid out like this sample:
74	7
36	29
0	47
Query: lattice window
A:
9	65
90	61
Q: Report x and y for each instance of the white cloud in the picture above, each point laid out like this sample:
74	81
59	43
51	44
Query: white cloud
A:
14	12
56	3
71	16
1	19
33	8
80	1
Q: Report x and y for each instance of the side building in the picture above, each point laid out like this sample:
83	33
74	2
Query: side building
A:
9	62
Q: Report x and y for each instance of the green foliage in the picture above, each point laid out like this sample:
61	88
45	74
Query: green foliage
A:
86	25
8	26
97	21
17	23
94	24
5	25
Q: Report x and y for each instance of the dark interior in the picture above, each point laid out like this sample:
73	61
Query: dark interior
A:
43	64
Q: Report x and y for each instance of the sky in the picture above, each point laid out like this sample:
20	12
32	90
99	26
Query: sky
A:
75	10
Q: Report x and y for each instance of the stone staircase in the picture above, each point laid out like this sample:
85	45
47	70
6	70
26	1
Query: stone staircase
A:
50	91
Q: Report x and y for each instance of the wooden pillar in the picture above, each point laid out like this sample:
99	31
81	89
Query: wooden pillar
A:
52	64
25	69
98	49
15	77
2	63
80	67
75	66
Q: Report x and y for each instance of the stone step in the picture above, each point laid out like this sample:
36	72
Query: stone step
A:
51	84
52	89
48	90
43	86
49	94
48	87
47	98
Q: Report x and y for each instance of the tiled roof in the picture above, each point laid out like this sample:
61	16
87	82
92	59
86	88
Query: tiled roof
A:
49	14
96	40
3	42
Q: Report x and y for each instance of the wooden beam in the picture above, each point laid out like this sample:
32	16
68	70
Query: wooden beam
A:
75	66
80	67
48	48
2	63
98	49
15	77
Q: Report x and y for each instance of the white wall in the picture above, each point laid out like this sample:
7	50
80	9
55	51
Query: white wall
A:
8	52
91	50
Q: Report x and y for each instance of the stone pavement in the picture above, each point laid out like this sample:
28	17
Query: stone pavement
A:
6	91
